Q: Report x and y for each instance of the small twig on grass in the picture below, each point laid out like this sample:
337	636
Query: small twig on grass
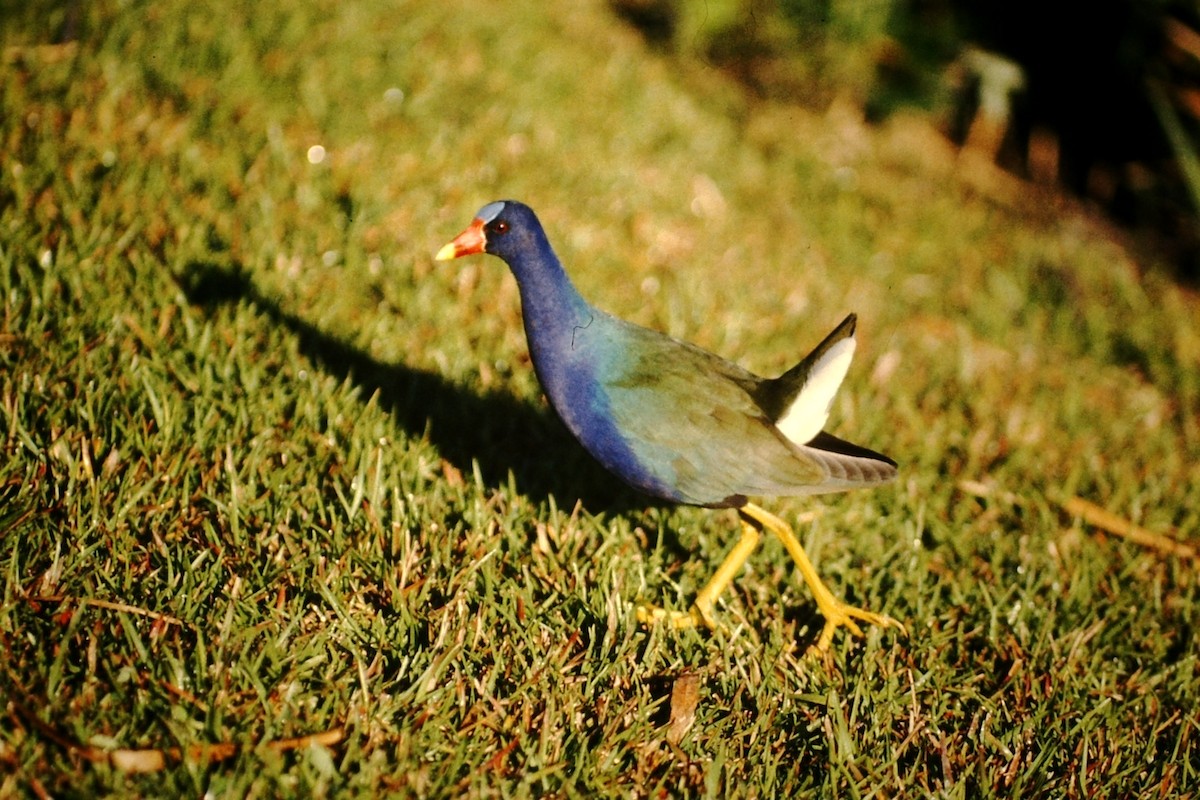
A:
110	605
153	759
1119	526
1098	517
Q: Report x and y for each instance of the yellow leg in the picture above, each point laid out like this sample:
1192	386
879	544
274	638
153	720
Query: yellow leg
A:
837	613
701	612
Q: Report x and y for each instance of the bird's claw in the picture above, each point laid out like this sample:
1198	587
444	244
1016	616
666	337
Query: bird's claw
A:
695	617
839	614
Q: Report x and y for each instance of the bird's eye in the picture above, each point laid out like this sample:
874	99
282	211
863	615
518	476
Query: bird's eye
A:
500	226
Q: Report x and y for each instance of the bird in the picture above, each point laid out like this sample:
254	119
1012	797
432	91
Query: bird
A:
682	424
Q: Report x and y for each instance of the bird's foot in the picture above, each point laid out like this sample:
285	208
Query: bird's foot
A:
693	618
837	613
840	614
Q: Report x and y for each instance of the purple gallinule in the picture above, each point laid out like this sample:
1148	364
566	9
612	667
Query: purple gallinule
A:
678	422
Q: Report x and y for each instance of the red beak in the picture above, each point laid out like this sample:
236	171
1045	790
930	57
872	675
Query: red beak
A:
467	243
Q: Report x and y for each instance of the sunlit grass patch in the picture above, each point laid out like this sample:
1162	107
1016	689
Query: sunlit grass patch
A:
270	472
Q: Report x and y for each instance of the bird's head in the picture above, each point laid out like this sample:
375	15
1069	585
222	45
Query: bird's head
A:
505	228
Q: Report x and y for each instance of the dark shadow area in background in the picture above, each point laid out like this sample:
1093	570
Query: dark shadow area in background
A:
1090	72
496	430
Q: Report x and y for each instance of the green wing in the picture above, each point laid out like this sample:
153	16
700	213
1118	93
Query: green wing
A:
689	416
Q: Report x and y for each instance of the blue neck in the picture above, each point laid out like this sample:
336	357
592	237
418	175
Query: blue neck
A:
575	349
553	310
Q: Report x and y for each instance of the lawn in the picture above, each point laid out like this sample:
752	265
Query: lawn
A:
283	511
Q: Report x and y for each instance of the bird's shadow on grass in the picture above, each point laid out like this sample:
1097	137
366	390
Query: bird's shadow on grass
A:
503	435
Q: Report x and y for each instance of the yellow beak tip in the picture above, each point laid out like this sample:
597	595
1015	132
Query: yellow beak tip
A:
446	253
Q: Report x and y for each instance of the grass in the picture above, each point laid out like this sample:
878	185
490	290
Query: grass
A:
270	472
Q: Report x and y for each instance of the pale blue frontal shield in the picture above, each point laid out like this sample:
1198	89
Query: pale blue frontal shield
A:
490	211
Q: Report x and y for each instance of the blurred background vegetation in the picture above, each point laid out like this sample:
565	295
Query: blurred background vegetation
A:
1102	98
